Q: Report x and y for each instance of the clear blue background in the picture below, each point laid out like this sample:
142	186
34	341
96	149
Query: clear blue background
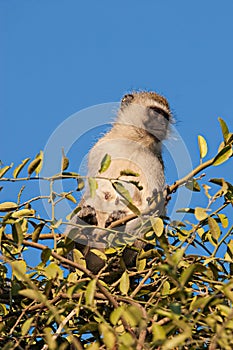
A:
58	57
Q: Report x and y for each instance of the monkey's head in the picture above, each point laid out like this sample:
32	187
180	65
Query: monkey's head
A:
147	110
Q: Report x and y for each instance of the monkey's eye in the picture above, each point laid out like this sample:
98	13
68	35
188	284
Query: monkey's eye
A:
160	111
127	99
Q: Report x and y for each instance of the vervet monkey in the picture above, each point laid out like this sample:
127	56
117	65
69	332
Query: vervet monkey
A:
134	144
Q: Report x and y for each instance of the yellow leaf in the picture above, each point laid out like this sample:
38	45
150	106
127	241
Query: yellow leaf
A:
157	224
200	213
19	268
33	165
64	162
214	228
93	185
8	206
23	212
53	271
39	167
5	169
158	332
20	167
26	326
224	220
124	283
109	337
225	130
202	146
90	292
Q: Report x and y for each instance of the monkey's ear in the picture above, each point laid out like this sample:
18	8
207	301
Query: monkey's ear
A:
127	99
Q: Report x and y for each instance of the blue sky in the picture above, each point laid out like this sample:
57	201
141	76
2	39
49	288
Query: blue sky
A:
58	57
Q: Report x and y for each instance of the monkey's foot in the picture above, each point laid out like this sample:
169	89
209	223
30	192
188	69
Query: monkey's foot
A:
88	214
116	215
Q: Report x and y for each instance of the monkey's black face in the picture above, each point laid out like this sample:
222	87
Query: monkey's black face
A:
157	110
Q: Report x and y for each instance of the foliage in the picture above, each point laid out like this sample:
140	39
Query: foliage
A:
174	298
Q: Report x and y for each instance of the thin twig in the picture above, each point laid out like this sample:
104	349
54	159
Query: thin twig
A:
194	172
141	284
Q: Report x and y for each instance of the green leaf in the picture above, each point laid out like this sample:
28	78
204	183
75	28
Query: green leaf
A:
116	315
202	146
132	207
128	172
45	255
200	213
17	233
105	163
133	315
8	206
53	271
229	253
176	308
126	197
157	225
158	332
90	293
193	185
79	259
140	263
26	326
225	131
20	167
37	231
109	337
172	343
64	161
187	274
73	213
223	156
228	290
214	228
56	223
124	283
93	346
126	341
217	181
178	255
68	196
122	191
19	269
93	185
32	294
50	340
166	288
5	169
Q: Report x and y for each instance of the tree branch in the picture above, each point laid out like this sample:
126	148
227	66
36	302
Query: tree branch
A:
178	183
